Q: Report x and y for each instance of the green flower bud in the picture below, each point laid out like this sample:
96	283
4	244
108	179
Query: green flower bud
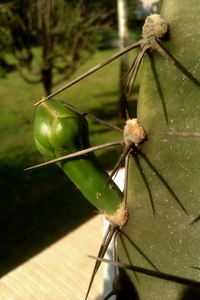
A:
60	131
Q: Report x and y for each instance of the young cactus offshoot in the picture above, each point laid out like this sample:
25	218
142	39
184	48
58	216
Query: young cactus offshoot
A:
60	131
61	134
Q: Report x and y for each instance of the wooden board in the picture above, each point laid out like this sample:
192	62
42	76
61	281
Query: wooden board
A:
60	272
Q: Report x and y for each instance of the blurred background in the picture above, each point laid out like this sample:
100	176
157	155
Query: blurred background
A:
43	45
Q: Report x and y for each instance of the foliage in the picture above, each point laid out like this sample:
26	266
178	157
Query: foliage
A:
65	30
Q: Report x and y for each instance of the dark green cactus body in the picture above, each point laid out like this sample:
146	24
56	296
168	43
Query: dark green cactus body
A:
167	169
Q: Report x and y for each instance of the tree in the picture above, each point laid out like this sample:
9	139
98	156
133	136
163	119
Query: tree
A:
123	42
64	30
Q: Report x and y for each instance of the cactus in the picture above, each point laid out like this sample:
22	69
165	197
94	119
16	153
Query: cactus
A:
163	194
61	131
163	197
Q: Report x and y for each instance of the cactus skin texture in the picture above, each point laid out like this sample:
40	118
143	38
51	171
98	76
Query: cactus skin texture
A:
166	171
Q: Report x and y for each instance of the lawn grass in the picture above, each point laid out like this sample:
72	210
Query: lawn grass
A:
40	206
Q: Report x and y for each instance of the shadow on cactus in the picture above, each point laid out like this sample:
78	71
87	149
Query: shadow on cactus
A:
165	276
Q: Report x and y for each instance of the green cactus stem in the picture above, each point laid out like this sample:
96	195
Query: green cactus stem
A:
167	166
60	131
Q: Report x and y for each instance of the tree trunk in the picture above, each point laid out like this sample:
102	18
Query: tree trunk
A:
123	42
47	80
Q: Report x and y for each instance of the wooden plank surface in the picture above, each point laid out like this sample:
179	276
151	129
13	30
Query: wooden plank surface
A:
60	272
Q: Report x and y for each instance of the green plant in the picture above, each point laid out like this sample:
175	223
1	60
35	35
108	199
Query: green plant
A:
61	132
166	168
163	194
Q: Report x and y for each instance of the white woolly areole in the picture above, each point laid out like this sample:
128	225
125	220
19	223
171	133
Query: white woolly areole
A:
133	132
120	217
155	26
